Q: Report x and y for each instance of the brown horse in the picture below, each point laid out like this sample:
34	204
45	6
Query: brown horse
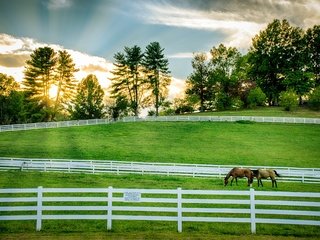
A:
236	173
265	174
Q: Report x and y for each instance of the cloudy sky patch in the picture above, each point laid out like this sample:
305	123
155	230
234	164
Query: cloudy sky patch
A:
93	31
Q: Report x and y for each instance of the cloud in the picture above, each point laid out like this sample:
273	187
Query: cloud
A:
176	88
59	4
238	31
240	21
181	55
15	51
13	60
186	55
94	68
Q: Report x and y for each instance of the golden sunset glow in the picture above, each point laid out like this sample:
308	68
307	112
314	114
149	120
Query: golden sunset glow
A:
53	91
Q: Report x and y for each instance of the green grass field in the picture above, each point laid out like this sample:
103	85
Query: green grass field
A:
142	230
294	145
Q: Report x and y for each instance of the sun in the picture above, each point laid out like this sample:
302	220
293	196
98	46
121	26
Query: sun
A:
53	91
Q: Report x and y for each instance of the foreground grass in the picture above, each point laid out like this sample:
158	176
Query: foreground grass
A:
136	229
145	236
294	145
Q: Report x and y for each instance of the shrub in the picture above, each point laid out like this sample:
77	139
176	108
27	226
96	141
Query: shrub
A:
224	102
237	104
256	97
289	100
314	99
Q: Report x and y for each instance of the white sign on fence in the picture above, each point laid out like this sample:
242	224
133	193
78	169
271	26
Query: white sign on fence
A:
132	196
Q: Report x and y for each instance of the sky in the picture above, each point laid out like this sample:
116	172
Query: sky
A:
92	31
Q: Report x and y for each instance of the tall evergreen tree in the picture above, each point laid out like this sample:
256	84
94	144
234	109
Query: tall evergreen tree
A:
88	103
39	73
157	71
128	80
39	77
65	81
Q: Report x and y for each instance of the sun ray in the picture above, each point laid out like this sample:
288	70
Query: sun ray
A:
53	91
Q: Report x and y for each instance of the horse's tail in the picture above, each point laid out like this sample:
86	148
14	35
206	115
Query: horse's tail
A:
277	174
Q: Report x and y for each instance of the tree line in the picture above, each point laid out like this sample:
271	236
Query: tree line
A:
140	79
281	67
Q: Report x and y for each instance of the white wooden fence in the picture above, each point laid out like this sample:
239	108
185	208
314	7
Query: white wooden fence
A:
41	125
180	206
222	119
289	174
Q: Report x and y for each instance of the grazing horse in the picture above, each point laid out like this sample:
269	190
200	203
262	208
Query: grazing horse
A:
265	174
236	173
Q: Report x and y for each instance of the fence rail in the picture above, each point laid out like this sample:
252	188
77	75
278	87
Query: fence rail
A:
176	205
42	125
289	174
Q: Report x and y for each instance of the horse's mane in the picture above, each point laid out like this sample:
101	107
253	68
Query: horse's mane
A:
277	174
255	172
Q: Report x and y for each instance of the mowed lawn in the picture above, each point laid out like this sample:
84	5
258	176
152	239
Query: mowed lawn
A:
269	144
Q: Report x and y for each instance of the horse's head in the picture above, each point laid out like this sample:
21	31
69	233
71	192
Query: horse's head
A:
225	181
251	179
255	173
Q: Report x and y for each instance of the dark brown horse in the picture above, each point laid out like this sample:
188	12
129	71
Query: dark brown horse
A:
265	174
236	173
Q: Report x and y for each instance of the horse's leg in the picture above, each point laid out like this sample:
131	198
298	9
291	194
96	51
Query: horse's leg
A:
236	181
231	181
260	182
249	181
275	182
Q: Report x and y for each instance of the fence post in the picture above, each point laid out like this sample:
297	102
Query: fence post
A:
179	209
252	211
109	216
39	209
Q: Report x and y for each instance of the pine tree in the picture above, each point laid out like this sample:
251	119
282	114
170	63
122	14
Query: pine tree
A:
65	80
157	71
39	73
39	77
128	80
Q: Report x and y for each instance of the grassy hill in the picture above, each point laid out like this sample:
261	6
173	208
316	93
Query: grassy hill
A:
294	145
183	142
266	112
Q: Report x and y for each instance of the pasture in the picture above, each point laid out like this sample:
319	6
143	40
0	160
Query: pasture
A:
149	230
294	145
269	144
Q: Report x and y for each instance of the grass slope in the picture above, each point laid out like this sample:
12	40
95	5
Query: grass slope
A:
294	145
302	112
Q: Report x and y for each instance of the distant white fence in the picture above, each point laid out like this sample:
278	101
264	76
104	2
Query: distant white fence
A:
289	174
180	206
41	125
223	119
